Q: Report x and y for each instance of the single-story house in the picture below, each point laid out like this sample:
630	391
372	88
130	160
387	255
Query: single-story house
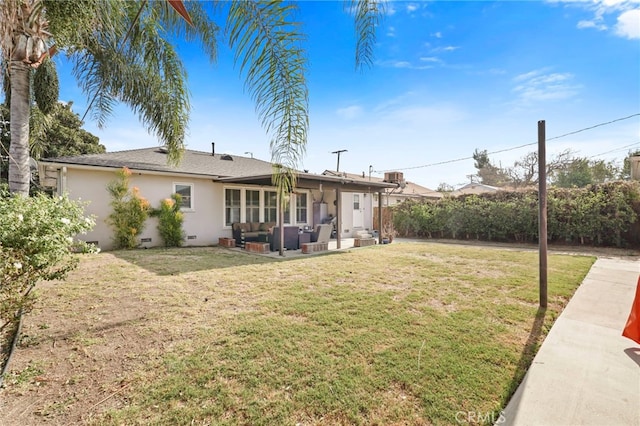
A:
217	190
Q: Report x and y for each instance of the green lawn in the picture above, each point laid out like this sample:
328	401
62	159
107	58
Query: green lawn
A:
407	333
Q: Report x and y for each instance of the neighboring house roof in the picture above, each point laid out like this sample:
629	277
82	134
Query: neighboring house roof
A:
474	188
155	159
410	190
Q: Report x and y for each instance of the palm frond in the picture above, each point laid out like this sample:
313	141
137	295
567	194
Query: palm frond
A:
202	29
268	48
39	125
368	14
135	63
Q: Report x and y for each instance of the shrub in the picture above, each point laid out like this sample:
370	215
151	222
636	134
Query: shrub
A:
604	214
36	243
130	211
170	220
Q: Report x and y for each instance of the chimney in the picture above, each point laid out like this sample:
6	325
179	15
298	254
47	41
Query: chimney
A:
213	148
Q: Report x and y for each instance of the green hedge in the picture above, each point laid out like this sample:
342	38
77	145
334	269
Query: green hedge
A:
603	215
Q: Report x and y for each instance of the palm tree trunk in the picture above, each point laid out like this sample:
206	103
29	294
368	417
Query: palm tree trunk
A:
19	173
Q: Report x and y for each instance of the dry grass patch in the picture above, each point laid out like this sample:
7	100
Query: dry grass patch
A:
393	334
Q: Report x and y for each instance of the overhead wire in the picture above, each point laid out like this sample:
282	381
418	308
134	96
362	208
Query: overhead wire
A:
622	148
513	148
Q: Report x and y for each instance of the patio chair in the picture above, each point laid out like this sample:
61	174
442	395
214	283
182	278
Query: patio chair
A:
322	234
290	238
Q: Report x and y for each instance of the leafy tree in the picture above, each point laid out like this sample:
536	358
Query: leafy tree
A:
481	159
580	172
488	173
576	174
124	51
445	187
56	134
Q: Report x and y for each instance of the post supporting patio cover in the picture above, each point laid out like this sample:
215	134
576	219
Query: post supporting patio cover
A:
338	216
380	217
281	224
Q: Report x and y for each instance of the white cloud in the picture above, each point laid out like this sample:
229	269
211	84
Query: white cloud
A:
437	34
350	112
539	86
404	65
389	9
443	48
401	64
412	7
628	25
591	24
391	31
626	13
431	59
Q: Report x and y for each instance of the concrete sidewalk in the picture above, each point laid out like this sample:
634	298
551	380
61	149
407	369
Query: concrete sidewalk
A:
585	372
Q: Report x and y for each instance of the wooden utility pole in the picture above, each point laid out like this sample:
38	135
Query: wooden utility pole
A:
542	214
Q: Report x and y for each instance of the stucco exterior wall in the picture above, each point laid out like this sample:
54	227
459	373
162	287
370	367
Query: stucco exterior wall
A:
203	224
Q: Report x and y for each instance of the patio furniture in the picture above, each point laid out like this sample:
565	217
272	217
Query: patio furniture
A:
290	238
303	238
363	242
322	234
244	232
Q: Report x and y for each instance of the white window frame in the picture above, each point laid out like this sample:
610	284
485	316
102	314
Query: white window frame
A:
224	204
191	186
306	208
263	202
259	206
243	204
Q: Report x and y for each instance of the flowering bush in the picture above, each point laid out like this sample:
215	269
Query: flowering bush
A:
130	211
170	220
36	243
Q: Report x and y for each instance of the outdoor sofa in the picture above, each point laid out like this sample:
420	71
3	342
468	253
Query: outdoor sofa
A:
244	232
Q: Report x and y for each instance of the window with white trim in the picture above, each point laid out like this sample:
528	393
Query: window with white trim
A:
270	206
232	205
185	190
252	203
261	205
301	208
287	210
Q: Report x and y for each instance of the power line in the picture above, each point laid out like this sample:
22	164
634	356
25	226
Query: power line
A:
512	148
616	149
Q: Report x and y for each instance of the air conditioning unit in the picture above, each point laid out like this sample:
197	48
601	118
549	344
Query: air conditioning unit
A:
394	177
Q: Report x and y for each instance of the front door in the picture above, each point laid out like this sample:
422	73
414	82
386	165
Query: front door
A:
358	210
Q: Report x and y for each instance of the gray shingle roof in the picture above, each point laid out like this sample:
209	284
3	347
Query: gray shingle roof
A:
155	159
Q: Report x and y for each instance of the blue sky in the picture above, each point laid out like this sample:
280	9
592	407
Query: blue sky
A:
448	77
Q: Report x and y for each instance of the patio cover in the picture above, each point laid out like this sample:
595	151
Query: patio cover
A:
324	182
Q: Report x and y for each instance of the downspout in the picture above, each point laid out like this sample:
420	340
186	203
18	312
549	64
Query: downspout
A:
63	181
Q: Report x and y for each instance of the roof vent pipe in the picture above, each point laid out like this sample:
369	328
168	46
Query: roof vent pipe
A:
213	148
